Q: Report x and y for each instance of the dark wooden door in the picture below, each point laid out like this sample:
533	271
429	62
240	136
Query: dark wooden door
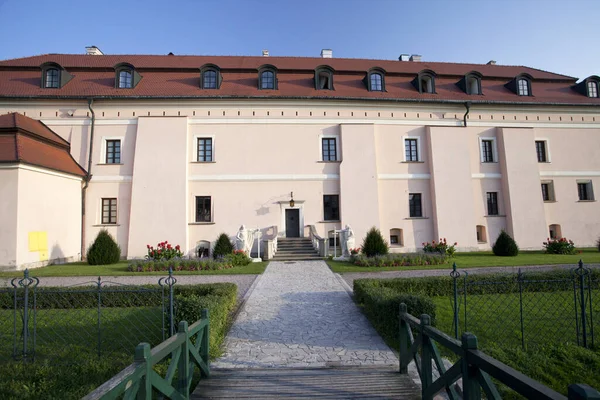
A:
292	223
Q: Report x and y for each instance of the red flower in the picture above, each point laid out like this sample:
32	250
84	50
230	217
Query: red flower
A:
168	246
177	247
148	246
456	243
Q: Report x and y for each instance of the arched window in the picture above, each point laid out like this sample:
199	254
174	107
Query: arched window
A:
210	77
471	83
375	80
203	249
267	77
126	77
52	78
592	89
425	82
481	234
555	231
324	78
396	237
523	87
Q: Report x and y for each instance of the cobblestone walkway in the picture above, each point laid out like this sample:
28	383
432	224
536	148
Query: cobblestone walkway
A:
300	315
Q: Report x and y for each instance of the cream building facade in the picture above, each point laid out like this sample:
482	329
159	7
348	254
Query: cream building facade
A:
445	160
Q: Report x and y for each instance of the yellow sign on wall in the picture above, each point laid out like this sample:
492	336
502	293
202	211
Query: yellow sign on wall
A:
38	241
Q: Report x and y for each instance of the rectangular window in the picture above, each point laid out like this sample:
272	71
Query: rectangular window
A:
331	207
492	203
414	205
203	209
329	149
109	211
113	151
540	148
411	151
205	150
548	191
393	239
487	151
585	191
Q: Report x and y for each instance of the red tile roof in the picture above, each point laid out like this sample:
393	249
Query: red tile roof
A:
26	140
179	77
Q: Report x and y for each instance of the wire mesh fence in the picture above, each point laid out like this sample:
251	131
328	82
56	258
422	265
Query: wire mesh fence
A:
96	318
529	309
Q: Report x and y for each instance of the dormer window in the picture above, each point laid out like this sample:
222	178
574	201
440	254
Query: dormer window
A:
210	77
126	77
267	77
425	82
592	89
54	76
324	78
375	80
521	85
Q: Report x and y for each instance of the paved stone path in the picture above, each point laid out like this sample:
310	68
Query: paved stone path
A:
300	315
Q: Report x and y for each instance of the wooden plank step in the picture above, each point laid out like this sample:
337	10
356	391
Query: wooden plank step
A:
310	383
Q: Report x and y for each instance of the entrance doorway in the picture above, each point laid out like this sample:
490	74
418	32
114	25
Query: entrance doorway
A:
292	222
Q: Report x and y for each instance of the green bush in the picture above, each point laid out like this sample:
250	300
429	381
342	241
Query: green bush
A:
237	259
440	247
598	244
559	246
505	246
374	244
398	260
223	246
104	250
205	264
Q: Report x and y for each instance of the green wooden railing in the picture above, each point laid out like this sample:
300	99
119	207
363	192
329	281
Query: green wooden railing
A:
184	351
474	367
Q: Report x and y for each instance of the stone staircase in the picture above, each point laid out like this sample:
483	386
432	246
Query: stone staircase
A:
295	249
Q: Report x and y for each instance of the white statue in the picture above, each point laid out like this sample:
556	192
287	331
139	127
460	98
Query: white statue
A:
245	239
347	240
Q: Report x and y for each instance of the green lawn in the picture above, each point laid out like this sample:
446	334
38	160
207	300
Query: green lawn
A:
120	268
484	259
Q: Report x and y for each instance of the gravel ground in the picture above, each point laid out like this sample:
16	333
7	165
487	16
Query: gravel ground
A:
243	282
349	277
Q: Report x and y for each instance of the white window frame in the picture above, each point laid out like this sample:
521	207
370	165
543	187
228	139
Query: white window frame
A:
551	192
195	148
338	155
589	182
103	149
547	144
419	154
494	149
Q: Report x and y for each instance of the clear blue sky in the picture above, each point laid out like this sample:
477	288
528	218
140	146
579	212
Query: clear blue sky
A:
558	36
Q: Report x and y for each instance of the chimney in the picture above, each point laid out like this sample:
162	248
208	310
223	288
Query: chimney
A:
326	53
491	62
265	53
415	57
404	57
93	51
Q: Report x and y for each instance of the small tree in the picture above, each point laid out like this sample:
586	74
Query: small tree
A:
505	245
104	250
223	246
374	244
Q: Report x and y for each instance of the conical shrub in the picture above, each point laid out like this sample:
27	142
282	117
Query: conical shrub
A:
505	246
223	246
104	250
374	244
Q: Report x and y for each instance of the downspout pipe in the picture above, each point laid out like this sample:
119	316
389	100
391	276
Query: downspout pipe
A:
88	176
468	107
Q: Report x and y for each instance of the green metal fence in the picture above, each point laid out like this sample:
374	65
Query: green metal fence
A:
526	311
92	318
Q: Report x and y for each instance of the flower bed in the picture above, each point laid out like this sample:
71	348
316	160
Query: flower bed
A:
559	246
229	261
399	260
440	247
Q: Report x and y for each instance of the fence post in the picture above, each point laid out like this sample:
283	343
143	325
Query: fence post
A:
583	392
26	283
581	272
99	286
142	354
465	291
183	367
426	367
204	346
471	388
169	281
520	282
455	275
404	346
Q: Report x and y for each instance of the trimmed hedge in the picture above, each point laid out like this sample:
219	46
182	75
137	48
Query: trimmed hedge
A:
114	296
399	260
